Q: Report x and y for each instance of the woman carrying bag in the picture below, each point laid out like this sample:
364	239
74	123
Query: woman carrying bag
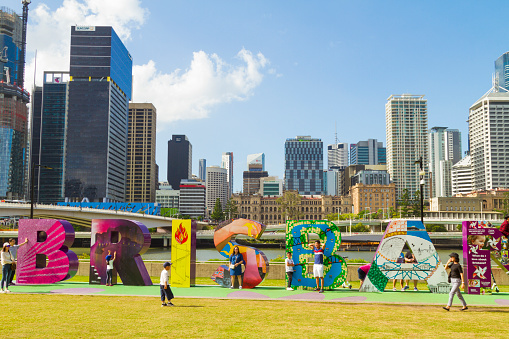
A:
236	261
7	261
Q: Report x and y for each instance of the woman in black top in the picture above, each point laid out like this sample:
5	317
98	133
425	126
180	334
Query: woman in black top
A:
456	279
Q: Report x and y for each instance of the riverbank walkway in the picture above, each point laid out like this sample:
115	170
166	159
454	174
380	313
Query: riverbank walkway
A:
408	297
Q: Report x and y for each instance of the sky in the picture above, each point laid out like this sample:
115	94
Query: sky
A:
243	76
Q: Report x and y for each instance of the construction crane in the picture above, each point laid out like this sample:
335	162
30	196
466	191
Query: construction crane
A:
21	62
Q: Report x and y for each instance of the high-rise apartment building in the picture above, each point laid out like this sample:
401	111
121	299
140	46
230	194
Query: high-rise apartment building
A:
13	108
304	165
444	152
49	136
141	153
337	156
180	160
97	126
502	70
369	152
217	187
487	123
406	124
332	182
227	163
256	159
202	169
461	176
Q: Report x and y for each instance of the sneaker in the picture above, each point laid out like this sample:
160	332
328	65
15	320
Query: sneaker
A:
7	291
170	304
394	289
289	289
316	289
2	291
464	309
415	289
163	304
231	287
240	287
405	288
321	291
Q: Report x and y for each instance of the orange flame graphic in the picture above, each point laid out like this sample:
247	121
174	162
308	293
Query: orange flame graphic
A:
181	235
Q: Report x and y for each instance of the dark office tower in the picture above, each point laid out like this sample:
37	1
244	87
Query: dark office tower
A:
180	157
13	108
99	94
141	153
49	114
304	165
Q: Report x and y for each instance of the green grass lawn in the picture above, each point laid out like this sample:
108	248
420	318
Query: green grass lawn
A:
422	286
50	316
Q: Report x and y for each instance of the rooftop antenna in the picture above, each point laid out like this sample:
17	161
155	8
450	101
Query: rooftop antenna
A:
336	132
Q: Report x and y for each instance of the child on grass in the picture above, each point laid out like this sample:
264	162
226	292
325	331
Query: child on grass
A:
164	283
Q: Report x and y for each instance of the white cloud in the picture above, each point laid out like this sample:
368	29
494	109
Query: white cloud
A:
179	95
207	82
49	31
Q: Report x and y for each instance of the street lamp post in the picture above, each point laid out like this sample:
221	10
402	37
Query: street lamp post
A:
32	187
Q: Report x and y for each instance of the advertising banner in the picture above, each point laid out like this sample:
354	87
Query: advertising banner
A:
481	245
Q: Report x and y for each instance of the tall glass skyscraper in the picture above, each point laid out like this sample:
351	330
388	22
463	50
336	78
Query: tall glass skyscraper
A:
444	152
304	165
227	162
49	135
202	170
502	70
337	156
13	109
99	94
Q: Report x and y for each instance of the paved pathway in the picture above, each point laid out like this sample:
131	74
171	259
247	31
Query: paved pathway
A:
266	293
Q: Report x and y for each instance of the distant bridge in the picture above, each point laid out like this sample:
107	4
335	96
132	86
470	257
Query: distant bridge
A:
81	216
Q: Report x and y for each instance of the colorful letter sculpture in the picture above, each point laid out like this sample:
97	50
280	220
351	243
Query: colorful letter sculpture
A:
480	244
386	265
183	253
129	239
48	241
256	263
297	240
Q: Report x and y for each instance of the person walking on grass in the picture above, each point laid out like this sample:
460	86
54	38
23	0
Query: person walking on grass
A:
164	285
318	265
236	260
456	278
7	261
14	252
109	267
289	268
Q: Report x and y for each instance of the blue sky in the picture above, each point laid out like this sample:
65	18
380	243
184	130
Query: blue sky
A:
302	65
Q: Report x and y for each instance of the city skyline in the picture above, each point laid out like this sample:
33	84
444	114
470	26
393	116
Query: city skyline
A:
310	68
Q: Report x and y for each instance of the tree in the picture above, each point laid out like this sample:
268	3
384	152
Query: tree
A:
404	204
231	210
217	214
289	205
416	204
505	204
360	228
435	228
